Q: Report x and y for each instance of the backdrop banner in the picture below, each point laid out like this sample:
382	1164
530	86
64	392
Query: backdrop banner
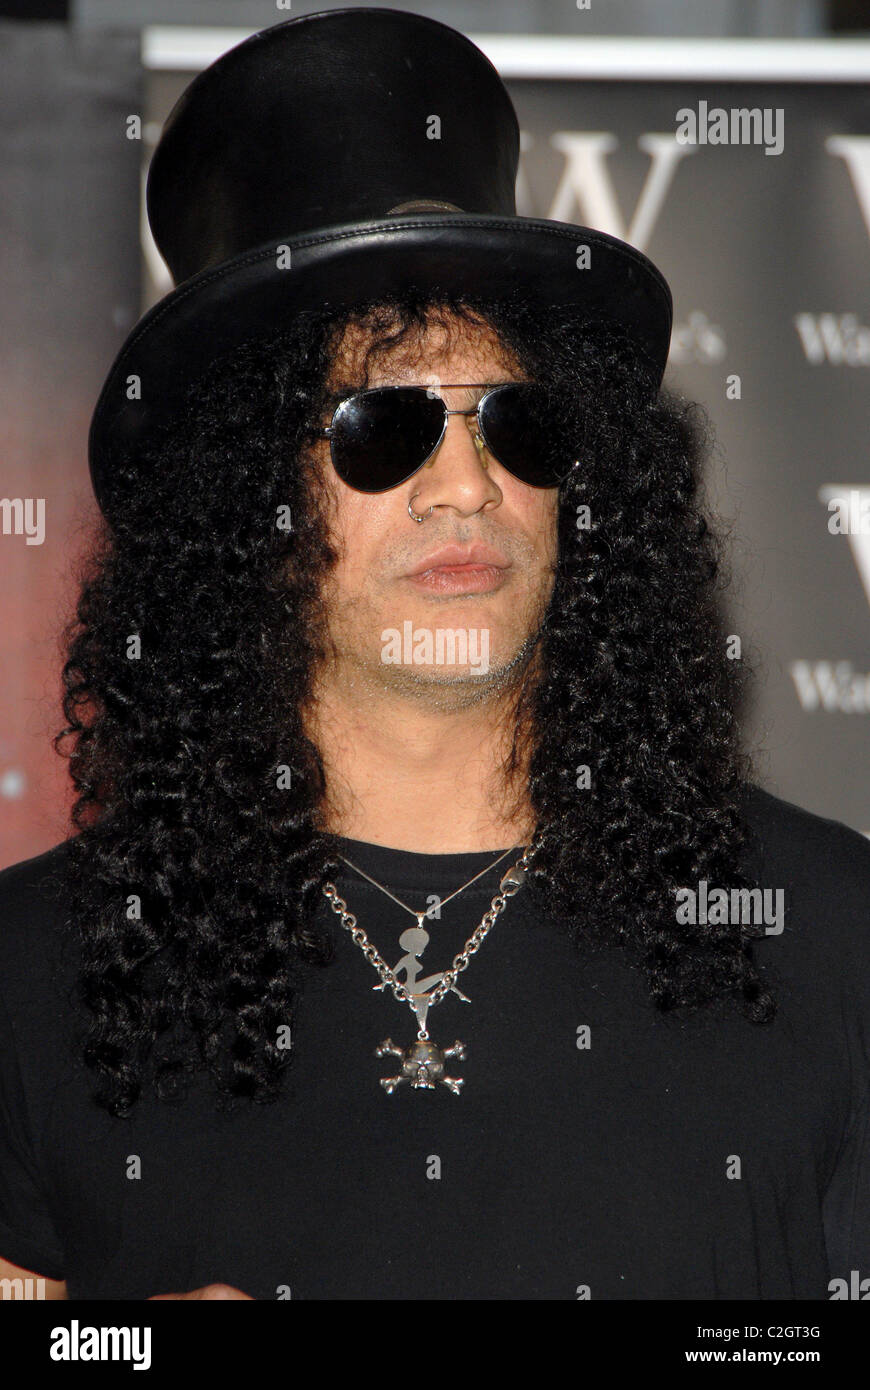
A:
765	241
69	280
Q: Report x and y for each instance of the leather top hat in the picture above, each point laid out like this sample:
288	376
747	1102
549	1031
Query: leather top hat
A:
331	158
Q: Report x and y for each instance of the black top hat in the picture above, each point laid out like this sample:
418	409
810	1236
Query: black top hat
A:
333	157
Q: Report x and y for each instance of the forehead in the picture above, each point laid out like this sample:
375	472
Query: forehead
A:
447	347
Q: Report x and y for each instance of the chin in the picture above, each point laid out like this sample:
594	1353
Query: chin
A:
454	651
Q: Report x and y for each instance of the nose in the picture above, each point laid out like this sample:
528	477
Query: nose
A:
458	474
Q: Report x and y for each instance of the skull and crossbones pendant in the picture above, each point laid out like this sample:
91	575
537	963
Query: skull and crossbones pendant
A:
422	1065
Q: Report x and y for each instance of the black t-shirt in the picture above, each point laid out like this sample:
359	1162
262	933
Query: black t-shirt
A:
670	1158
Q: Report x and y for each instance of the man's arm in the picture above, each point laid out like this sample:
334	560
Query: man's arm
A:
208	1291
14	1284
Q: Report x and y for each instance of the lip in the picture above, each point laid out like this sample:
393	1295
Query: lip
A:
460	579
459	557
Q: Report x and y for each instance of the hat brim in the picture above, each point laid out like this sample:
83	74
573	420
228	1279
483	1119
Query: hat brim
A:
222	307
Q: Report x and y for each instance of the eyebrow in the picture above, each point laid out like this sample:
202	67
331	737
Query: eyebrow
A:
351	390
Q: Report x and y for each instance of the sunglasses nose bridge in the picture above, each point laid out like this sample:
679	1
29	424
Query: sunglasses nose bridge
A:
464	410
477	437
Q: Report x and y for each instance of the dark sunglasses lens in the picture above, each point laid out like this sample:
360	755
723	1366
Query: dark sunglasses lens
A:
516	424
381	437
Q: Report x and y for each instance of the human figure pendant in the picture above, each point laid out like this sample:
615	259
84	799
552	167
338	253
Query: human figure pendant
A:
423	1063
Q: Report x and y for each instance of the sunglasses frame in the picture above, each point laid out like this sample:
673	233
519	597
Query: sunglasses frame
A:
329	431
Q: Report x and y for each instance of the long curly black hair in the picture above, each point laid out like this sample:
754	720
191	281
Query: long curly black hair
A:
194	879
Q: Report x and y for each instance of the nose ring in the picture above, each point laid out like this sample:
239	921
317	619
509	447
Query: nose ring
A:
413	515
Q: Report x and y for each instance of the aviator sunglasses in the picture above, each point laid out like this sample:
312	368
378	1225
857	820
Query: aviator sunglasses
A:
381	436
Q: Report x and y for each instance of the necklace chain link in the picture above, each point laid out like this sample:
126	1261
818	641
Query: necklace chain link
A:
510	884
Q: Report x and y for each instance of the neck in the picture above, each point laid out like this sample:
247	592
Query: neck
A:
411	775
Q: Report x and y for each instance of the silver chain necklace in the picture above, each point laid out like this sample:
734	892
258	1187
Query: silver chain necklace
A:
423	1062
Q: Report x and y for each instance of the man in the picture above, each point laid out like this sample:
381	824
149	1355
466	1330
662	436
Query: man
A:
404	609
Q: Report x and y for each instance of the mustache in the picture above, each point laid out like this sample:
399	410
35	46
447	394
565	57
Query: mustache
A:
404	556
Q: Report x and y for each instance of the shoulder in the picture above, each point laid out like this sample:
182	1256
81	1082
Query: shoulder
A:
822	868
25	884
32	891
803	846
32	921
